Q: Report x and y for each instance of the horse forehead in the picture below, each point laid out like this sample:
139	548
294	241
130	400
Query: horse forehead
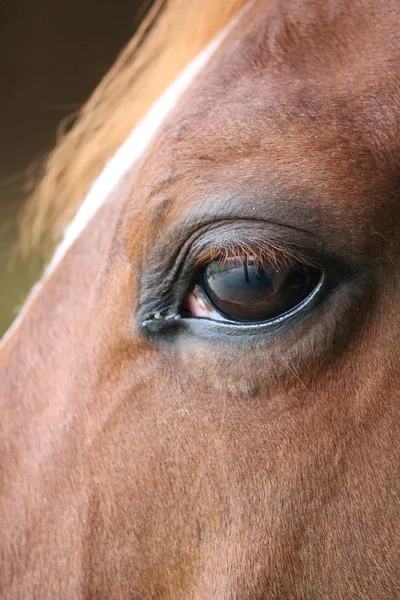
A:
294	65
279	96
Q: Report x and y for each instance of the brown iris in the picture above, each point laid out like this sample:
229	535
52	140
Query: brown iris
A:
246	290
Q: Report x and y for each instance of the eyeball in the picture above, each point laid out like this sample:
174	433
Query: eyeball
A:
245	290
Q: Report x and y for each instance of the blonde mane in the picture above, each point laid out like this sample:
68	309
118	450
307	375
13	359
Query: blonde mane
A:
171	34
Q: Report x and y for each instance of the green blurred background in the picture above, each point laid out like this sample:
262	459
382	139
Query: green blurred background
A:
52	55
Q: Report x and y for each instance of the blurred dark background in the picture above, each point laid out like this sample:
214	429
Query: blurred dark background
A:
52	55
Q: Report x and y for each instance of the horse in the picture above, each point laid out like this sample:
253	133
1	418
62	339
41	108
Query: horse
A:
200	398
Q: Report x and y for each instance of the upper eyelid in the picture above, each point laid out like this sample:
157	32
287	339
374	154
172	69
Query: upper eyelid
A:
278	234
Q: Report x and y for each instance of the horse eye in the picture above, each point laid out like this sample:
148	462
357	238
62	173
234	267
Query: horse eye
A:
245	290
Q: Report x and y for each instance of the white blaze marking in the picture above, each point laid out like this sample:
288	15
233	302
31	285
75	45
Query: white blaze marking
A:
132	149
125	157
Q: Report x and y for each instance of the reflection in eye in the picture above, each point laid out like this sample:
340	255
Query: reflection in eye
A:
244	289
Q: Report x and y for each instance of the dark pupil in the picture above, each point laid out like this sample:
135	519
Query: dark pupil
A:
243	290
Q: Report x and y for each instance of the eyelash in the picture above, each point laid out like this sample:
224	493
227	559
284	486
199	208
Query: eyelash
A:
260	252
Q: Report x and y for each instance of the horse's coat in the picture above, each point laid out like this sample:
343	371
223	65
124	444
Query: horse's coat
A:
150	454
124	159
134	147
